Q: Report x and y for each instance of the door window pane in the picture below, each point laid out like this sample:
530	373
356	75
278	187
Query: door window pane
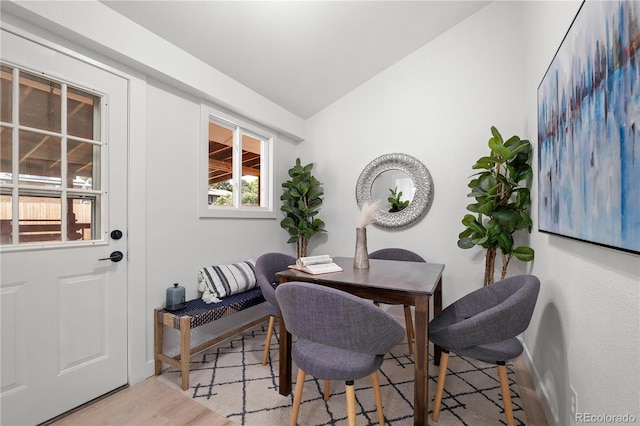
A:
40	159
6	88
40	103
80	160
6	216
6	155
82	108
40	219
81	217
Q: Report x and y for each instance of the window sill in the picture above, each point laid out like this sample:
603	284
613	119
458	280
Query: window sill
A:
237	213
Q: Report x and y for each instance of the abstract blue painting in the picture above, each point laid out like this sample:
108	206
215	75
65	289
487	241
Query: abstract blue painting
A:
589	129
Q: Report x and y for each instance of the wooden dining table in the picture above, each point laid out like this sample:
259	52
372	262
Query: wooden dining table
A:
386	281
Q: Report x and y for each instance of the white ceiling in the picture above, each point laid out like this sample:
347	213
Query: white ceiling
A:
302	55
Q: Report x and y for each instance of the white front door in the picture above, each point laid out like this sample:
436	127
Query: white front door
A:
64	155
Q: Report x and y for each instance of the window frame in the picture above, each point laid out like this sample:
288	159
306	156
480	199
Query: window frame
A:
63	192
239	127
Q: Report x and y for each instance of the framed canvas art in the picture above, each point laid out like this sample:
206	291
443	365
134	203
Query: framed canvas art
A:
589	129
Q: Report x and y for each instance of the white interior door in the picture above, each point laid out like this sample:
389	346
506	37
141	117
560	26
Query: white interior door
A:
64	311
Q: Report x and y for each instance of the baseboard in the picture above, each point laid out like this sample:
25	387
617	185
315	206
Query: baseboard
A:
552	418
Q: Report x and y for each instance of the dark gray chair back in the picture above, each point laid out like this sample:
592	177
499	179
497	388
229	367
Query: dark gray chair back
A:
338	319
396	254
267	266
488	315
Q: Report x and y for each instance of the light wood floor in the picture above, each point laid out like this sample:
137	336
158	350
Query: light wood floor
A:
527	391
153	403
149	402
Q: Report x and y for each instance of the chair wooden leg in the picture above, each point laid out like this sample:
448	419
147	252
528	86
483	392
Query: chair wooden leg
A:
409	315
297	398
267	343
444	360
327	389
376	392
409	325
506	394
351	403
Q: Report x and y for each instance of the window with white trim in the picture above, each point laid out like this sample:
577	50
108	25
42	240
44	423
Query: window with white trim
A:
236	167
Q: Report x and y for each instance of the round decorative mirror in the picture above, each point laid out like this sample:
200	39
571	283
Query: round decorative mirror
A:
401	185
395	185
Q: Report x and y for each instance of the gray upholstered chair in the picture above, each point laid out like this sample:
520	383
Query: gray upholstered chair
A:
407	256
266	267
483	325
339	336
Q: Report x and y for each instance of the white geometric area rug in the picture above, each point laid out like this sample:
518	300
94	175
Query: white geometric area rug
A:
230	379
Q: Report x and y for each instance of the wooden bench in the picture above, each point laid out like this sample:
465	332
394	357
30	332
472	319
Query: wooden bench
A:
195	314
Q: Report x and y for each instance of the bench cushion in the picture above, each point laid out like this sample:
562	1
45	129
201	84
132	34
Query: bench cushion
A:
220	281
203	313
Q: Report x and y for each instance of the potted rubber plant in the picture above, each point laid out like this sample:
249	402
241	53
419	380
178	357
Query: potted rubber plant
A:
502	203
302	198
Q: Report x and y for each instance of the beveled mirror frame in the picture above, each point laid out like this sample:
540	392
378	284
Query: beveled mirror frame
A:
422	181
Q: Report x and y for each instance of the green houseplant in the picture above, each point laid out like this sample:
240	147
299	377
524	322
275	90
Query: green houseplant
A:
301	201
396	204
502	203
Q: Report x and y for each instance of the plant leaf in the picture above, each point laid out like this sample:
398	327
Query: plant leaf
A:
465	243
505	241
525	254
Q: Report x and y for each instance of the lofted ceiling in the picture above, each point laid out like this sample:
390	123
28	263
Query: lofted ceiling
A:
302	55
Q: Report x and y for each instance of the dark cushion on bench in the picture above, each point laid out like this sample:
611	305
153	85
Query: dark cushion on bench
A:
203	313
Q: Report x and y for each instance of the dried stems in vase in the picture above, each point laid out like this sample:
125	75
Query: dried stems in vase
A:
368	213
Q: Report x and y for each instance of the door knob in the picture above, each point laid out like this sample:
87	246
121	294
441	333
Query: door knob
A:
115	256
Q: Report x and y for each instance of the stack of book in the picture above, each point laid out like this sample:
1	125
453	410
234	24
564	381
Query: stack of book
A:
322	264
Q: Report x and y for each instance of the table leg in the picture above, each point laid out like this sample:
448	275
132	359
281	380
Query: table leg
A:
284	386
421	373
437	308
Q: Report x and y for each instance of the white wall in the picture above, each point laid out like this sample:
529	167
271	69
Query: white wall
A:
585	331
438	105
178	242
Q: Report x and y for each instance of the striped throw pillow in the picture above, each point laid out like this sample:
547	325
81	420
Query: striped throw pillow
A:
219	281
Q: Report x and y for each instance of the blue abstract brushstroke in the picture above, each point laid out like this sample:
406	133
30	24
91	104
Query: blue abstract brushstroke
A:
589	129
